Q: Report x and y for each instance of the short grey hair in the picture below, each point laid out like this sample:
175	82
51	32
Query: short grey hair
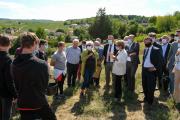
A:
76	40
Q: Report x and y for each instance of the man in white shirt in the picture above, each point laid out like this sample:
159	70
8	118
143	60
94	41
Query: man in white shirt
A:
109	49
151	63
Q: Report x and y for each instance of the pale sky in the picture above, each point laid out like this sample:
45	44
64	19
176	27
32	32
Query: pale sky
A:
75	9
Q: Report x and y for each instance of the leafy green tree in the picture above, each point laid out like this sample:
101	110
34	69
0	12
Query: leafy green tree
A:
41	33
102	25
122	30
152	20
115	27
15	44
68	38
151	28
132	28
165	23
60	30
61	38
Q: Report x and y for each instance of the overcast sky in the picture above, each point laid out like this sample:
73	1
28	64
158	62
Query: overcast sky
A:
74	9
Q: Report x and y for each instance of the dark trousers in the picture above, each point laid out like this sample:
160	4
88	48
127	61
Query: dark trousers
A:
149	85
72	70
88	75
61	84
165	79
117	86
108	72
5	108
45	113
131	73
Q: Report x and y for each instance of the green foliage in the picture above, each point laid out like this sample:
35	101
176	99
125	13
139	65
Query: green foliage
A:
15	44
102	25
151	29
61	38
132	28
60	30
52	43
153	20
41	33
68	38
115	27
122	30
165	23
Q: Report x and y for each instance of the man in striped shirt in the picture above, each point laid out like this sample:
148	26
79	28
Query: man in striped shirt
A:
73	58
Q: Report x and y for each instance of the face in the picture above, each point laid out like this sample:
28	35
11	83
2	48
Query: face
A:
75	44
147	42
89	47
165	40
42	47
110	39
61	48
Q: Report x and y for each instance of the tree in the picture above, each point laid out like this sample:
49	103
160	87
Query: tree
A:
60	30
15	44
61	38
122	30
165	23
132	28
102	25
153	20
151	28
115	27
41	33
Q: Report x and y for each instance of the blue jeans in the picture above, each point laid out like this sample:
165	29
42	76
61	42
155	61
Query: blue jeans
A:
5	108
88	74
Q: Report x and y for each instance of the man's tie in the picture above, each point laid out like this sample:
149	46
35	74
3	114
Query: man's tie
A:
145	55
109	59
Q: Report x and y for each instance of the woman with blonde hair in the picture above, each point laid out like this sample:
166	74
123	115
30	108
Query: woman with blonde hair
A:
119	68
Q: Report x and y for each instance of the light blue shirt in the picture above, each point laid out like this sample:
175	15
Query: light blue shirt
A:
164	47
73	55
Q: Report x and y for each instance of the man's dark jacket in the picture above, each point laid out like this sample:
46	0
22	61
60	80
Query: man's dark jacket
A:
31	78
7	86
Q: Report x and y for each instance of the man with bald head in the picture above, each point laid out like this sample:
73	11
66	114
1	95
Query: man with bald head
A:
73	54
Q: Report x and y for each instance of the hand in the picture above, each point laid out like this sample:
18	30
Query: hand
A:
178	52
152	69
91	54
132	54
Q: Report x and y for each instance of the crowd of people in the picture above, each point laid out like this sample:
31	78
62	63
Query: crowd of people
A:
24	80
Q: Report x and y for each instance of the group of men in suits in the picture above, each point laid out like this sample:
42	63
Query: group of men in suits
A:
132	49
157	66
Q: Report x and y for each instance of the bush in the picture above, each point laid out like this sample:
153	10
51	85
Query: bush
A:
15	44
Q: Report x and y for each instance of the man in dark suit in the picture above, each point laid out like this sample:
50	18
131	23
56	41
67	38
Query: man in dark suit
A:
132	62
83	46
156	43
165	50
150	66
109	48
